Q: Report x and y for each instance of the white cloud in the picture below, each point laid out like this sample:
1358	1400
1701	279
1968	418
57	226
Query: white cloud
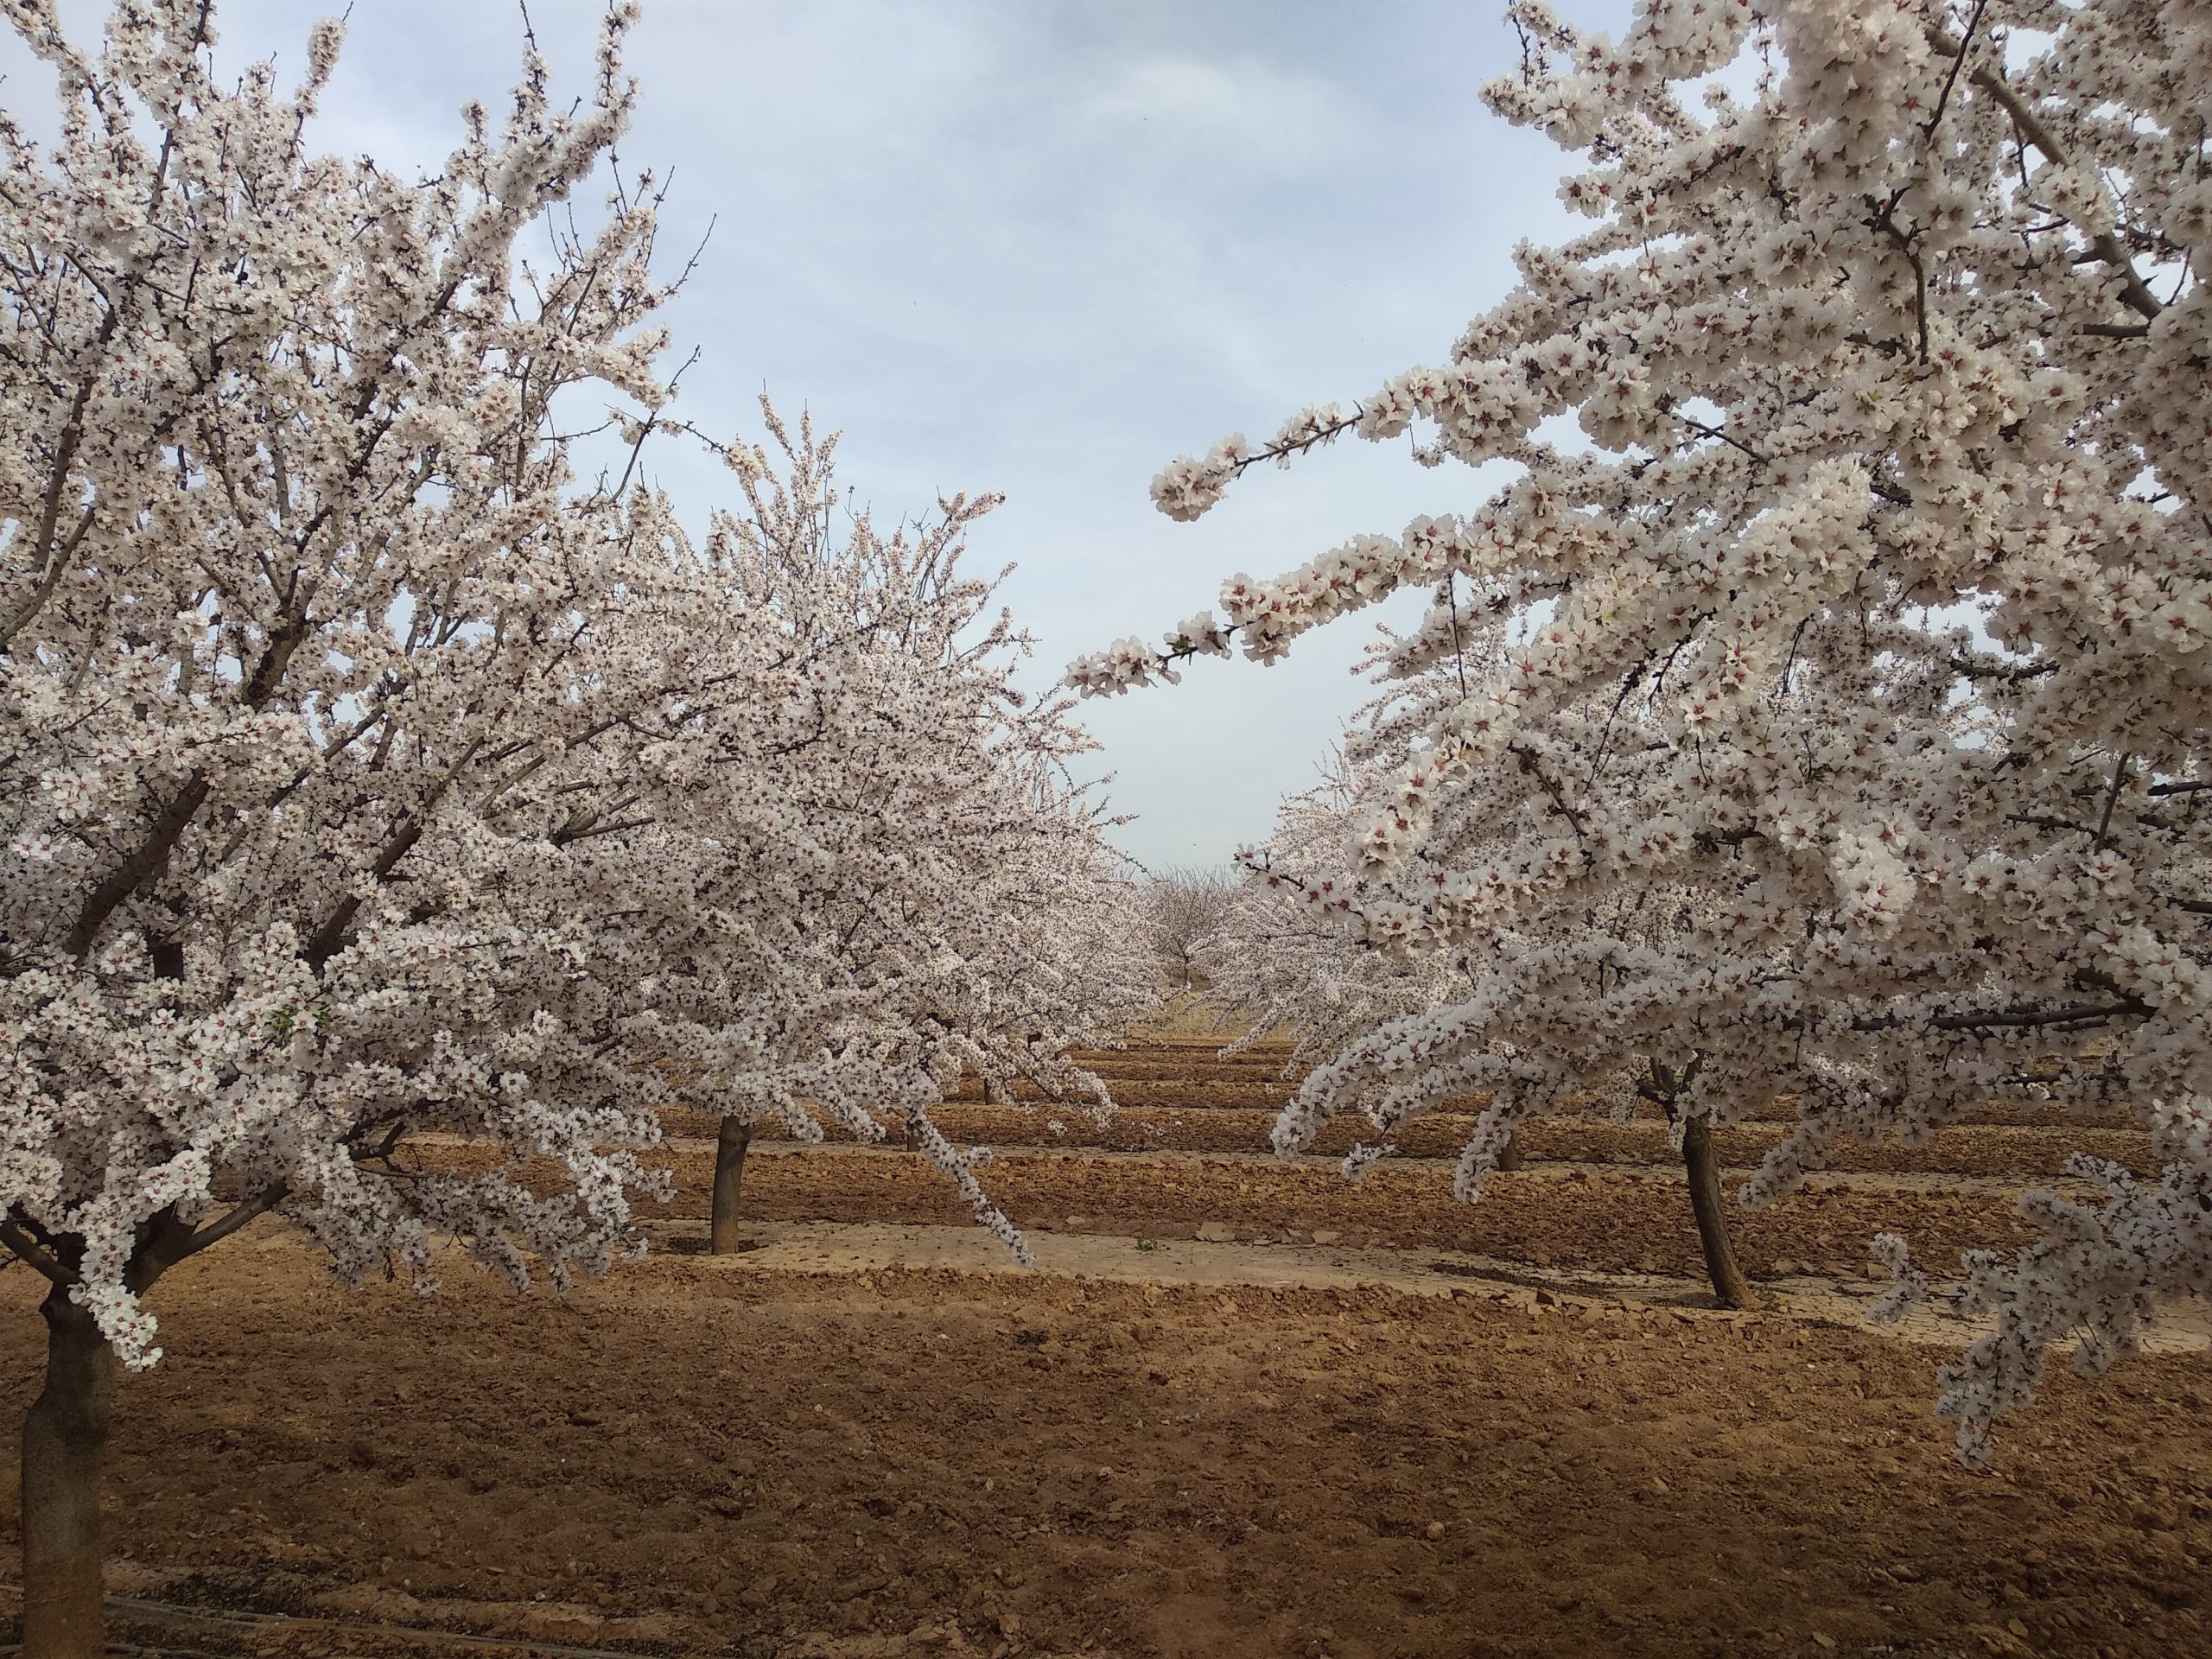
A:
1225	116
1041	250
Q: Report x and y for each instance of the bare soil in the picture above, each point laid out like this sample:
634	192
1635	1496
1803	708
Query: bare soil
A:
1188	1074
2036	1151
1257	1450
1608	1221
688	1456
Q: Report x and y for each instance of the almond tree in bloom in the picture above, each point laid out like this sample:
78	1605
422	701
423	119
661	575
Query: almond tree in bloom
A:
1182	910
869	874
388	813
1866	610
1279	955
295	595
1282	959
1335	985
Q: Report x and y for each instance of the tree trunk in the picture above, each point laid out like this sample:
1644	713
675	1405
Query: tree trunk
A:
1706	1201
729	1171
64	1437
1510	1157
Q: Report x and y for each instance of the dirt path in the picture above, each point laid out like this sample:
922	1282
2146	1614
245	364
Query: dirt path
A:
1603	1219
1244	1411
2185	1325
688	1459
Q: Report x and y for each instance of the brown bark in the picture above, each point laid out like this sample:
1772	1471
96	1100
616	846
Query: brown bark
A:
730	1171
147	860
65	1439
1510	1157
1710	1210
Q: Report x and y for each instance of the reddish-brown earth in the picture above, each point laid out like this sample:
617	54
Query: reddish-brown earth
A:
693	1457
1607	1220
1986	1150
688	1457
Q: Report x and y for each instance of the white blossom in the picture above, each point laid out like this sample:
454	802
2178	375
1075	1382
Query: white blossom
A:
1827	718
367	774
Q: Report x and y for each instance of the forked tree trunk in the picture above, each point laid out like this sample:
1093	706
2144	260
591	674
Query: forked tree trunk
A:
1707	1203
65	1439
730	1174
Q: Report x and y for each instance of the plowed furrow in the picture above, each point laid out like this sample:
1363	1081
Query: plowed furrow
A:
1605	1221
2014	1151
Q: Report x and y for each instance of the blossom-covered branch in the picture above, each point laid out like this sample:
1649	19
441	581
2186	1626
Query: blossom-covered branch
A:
1850	741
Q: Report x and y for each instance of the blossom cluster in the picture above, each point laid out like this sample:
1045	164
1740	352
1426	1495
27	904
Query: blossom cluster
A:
371	772
1284	957
1819	709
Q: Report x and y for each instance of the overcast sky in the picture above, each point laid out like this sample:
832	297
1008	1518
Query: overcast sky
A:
1040	247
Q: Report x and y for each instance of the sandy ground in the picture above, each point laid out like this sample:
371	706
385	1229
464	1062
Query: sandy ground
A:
2184	1324
1240	1410
703	1457
697	1456
1608	1220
